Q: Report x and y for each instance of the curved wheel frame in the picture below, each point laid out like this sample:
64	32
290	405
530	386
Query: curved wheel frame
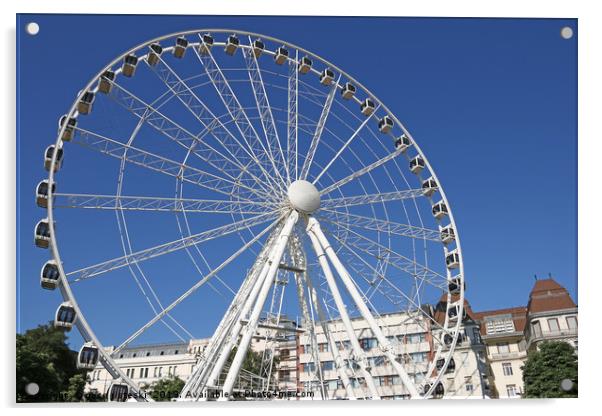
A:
67	294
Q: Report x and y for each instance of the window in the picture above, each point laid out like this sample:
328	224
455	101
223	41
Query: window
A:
468	384
309	367
536	328
285	353
162	352
327	365
571	322
553	325
333	385
146	372
503	348
507	368
176	352
155	372
500	324
368	343
511	390
323	347
284	375
174	369
416	338
148	354
418	357
476	335
141	372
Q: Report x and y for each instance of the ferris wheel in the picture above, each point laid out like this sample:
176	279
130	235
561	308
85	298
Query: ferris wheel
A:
282	184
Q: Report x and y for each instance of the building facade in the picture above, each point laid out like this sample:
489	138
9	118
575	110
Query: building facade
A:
491	349
509	334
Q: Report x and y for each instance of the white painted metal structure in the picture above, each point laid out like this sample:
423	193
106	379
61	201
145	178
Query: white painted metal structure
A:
310	181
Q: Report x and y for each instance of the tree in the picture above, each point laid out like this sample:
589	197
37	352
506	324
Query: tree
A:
44	358
75	388
545	369
167	388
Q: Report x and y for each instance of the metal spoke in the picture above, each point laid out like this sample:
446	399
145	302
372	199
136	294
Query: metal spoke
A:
342	149
393	258
237	113
158	163
190	291
240	160
166	248
319	129
264	109
362	171
374	224
293	116
370	198
145	203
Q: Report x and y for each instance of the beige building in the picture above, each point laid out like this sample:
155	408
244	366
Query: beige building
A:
510	334
491	349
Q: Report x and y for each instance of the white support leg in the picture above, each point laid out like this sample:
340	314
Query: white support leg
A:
334	350
233	336
251	326
385	345
355	345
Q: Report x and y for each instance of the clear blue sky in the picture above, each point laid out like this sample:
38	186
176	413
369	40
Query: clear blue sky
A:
492	103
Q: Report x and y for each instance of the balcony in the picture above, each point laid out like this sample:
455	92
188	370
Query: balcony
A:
550	335
508	355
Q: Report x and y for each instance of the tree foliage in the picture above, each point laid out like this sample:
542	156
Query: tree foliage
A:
167	388
545	369
44	358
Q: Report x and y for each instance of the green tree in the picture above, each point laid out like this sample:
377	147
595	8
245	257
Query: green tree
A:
167	388
44	358
545	369
75	388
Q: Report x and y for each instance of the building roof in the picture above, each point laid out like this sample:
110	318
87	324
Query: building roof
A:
548	295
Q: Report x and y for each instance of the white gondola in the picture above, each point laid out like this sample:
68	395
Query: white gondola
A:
258	47
87	358
454	311
180	49
452	260
385	124
429	187
71	124
155	54
105	83
367	107
42	233
447	234
348	91
231	45
206	44
65	316
281	55
451	366
440	210
402	142
326	77
49	275
438	391
455	285
118	392
48	153
417	165
84	106
128	68
42	193
305	65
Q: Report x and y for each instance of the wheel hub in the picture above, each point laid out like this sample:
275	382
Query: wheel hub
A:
304	196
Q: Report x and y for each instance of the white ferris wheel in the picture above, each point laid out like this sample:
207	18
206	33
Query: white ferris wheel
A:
291	190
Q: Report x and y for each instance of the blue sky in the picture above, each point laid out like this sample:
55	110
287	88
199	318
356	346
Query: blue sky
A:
492	103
